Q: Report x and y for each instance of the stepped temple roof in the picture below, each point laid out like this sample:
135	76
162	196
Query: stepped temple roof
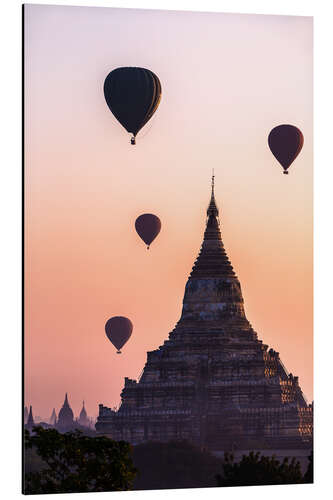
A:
212	382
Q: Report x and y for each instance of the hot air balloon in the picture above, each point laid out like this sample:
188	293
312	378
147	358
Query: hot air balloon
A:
118	330
133	95
148	226
285	142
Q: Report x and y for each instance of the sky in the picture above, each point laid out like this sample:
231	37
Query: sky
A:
227	80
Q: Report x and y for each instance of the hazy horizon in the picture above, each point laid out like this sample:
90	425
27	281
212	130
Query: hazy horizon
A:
227	80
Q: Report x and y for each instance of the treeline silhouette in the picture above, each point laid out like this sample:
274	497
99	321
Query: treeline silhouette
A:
73	463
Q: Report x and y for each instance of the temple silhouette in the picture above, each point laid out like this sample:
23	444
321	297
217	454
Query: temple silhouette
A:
83	417
66	416
30	421
64	422
212	383
53	418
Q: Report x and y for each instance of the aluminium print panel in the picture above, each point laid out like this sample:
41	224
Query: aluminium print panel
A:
168	261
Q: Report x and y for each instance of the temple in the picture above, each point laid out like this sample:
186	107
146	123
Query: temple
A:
212	382
25	415
53	418
30	422
66	417
83	418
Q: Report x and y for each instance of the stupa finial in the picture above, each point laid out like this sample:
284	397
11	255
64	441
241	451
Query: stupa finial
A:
212	207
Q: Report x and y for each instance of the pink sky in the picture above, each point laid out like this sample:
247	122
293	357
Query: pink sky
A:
227	79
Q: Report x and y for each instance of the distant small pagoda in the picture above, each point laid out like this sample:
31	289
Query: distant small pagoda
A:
30	422
83	419
66	417
212	382
53	418
25	415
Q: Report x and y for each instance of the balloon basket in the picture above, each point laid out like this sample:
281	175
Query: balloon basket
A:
118	352
285	172
133	141
148	247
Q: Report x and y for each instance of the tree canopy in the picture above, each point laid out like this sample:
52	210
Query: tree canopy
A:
77	463
254	470
73	462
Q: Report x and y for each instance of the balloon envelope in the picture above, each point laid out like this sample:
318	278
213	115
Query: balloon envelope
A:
148	226
133	95
118	330
285	142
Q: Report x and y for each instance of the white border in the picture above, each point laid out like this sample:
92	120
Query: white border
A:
10	199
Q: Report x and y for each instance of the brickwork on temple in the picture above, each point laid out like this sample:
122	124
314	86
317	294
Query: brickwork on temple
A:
212	382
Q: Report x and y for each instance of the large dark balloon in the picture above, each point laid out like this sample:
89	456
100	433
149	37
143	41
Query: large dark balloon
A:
148	226
118	330
285	142
133	95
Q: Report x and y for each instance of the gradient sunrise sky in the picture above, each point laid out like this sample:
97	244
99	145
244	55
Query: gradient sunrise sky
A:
227	80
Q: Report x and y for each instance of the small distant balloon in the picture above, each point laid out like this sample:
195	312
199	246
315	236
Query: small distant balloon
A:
148	226
285	142
133	95
118	330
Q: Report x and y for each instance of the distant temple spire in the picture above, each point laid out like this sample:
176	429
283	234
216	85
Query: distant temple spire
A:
26	413
83	418
66	416
53	418
30	422
83	411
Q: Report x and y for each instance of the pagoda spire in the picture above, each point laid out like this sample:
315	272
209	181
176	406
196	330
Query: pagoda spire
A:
83	411
53	418
83	418
66	416
213	292
31	421
212	261
212	209
26	413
